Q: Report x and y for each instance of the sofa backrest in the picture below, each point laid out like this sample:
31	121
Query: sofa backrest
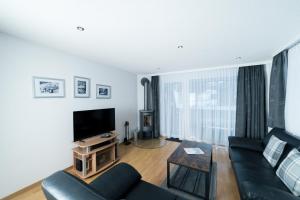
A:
116	182
282	135
62	185
292	142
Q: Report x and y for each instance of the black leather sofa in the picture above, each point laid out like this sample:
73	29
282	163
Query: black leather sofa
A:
120	182
255	177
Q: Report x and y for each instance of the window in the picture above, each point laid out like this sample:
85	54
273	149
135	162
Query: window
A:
199	106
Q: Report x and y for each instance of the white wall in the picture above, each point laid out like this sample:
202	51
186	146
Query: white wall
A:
292	106
36	134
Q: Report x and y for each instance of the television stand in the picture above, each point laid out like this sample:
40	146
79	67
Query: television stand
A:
106	135
95	154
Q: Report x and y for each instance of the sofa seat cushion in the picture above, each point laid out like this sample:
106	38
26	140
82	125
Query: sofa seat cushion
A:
253	173
254	157
147	191
116	182
257	191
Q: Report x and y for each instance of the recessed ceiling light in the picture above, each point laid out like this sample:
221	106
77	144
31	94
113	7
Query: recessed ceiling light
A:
80	28
180	46
238	58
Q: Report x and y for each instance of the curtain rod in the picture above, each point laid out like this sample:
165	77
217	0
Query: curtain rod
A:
237	65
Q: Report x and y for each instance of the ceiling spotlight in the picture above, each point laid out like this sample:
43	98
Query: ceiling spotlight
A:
80	28
180	46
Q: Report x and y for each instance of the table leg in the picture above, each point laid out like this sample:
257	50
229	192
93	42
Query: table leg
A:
168	174
208	179
207	185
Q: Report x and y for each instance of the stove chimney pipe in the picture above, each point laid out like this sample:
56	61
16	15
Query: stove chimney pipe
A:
145	82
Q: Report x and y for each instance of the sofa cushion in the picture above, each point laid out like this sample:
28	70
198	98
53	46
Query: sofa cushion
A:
147	191
62	185
255	174
274	150
116	182
284	154
289	172
239	142
292	142
257	191
247	156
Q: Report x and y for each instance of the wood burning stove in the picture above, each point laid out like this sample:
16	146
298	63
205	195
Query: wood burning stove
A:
146	124
146	115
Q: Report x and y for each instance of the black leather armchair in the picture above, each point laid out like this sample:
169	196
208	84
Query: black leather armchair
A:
256	178
120	182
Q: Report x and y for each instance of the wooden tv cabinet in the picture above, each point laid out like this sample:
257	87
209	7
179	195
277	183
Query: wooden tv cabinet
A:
95	154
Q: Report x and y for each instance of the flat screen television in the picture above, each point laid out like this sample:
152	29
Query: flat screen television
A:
89	123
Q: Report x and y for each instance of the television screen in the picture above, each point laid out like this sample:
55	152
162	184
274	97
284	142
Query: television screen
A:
89	123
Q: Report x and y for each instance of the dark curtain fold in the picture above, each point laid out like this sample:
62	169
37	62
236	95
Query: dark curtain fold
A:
278	90
155	104
251	117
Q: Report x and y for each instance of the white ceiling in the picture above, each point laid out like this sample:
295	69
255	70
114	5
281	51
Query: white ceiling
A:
142	35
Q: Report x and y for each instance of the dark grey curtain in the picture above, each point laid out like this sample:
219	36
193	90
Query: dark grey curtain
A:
155	104
278	90
251	119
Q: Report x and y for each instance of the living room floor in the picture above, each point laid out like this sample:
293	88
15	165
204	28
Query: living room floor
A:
151	163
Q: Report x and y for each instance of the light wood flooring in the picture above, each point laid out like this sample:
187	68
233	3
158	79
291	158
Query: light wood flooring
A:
151	163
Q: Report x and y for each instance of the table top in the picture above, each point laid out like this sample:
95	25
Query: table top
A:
200	162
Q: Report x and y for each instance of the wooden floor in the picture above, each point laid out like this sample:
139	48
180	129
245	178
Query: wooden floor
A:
151	163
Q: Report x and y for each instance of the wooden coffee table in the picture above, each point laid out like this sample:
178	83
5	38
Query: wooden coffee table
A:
198	162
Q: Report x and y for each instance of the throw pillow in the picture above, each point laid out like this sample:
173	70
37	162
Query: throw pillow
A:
289	171
274	150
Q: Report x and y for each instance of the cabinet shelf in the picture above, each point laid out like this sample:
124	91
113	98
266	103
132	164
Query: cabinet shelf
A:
82	152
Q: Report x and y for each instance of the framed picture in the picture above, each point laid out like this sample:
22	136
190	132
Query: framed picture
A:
81	87
103	91
48	87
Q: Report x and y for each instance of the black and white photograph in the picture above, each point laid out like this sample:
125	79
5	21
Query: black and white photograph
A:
48	87
103	91
81	87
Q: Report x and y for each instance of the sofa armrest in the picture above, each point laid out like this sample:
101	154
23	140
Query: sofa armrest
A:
62	185
117	181
255	191
245	143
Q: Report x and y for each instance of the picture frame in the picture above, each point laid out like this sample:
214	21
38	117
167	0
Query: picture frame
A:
44	87
103	91
82	87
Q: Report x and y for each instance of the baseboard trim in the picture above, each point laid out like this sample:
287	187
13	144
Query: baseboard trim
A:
29	187
23	190
68	168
